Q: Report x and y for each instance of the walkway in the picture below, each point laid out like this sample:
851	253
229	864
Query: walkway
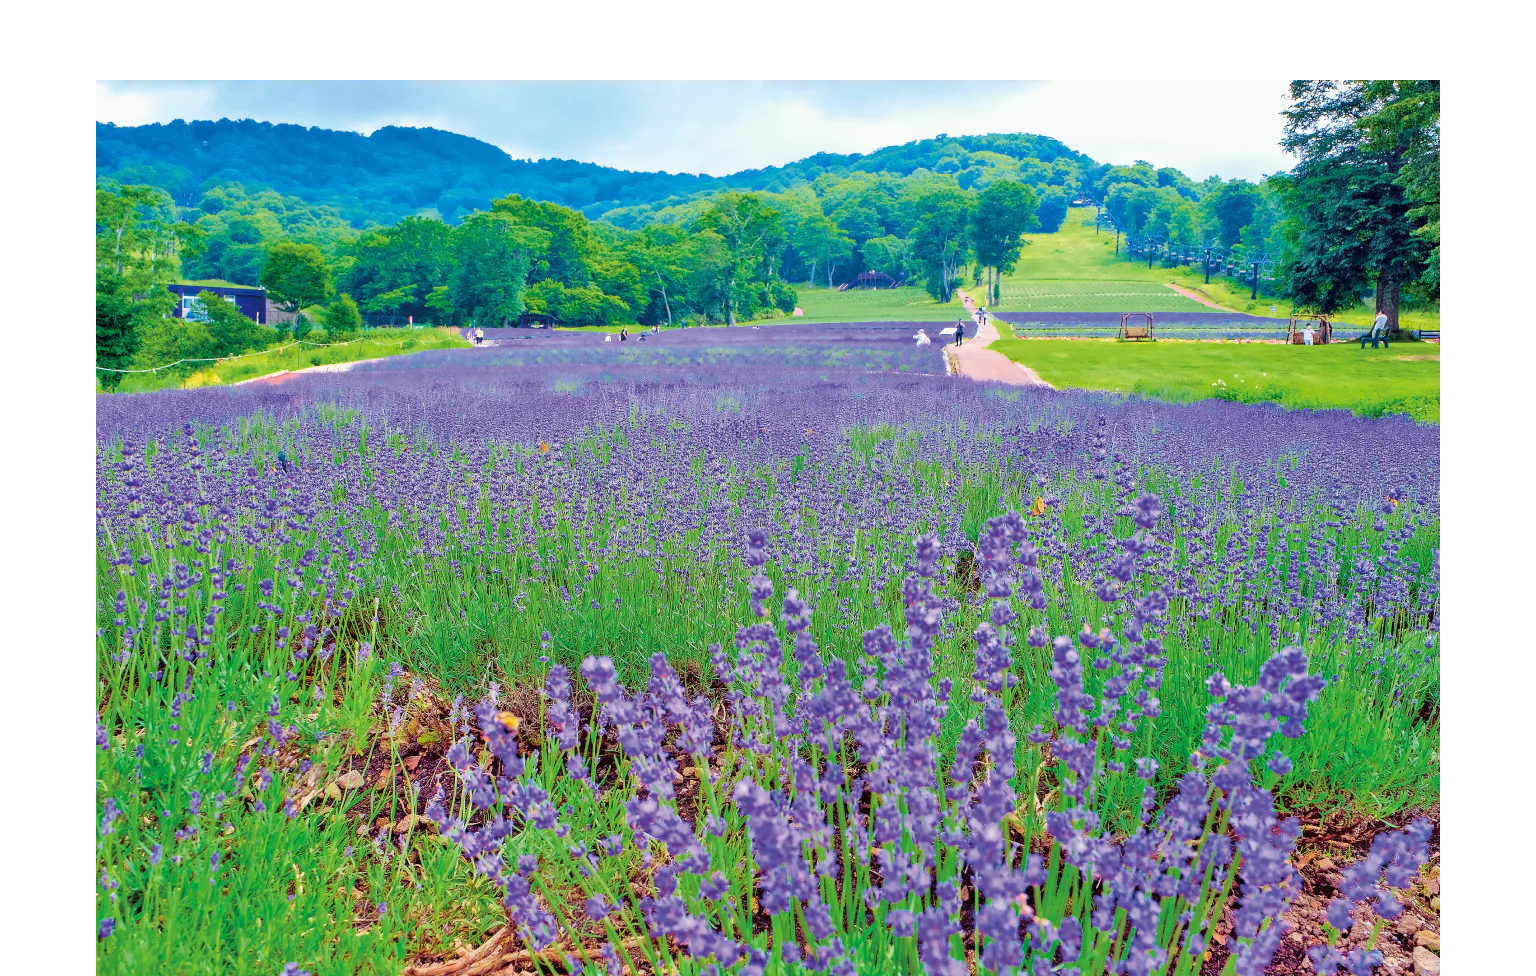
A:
282	375
977	362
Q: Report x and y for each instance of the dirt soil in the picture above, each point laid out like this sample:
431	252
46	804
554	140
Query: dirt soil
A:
1330	842
977	362
1199	296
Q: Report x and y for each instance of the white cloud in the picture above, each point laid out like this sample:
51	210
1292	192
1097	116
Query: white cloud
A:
1230	128
141	106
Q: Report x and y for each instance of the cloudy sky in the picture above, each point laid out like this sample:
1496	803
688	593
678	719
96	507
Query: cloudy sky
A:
1225	128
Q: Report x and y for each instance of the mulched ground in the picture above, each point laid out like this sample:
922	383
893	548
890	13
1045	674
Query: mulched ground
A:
1330	841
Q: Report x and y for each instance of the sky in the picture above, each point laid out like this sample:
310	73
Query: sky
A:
1230	129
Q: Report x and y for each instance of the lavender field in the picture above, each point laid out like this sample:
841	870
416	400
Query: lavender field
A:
758	651
1172	325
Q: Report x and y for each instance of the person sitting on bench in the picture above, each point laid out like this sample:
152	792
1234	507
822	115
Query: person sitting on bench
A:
1378	332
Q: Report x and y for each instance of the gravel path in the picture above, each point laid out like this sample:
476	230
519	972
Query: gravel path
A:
978	362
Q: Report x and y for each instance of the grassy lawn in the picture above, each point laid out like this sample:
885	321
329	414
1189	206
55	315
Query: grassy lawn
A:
1095	296
1372	382
1076	254
907	304
375	344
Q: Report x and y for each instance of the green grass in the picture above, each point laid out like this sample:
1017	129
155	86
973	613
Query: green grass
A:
907	304
1371	382
1095	296
373	344
1076	253
213	283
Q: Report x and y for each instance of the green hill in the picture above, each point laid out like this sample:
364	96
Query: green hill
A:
397	171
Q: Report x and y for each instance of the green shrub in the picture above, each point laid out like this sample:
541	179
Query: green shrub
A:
342	319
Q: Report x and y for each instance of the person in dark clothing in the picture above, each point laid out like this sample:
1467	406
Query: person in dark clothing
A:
623	334
960	332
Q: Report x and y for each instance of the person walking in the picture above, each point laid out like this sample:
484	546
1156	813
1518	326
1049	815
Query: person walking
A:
479	335
959	332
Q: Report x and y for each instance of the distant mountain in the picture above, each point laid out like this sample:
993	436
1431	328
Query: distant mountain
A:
398	171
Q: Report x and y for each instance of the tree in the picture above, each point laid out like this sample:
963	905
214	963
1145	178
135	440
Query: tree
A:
296	275
657	254
1003	212
711	267
939	240
857	221
342	317
568	254
493	255
1229	209
231	331
117	336
889	254
139	242
392	302
396	268
441	305
1354	220
826	245
750	231
1054	204
1411	114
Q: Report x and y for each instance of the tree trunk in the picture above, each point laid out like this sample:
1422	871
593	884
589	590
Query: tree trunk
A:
810	282
730	301
1388	297
666	304
830	268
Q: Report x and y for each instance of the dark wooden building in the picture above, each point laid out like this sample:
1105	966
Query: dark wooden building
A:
251	301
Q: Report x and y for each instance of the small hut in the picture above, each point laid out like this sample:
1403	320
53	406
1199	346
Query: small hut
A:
536	320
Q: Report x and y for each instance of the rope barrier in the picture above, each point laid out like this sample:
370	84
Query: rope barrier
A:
229	359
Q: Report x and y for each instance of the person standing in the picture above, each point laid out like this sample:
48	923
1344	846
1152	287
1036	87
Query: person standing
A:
479	335
623	334
959	332
1306	334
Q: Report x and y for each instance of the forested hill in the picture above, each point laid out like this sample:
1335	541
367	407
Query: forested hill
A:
397	171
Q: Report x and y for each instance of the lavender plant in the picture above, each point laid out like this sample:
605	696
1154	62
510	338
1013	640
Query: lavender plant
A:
294	583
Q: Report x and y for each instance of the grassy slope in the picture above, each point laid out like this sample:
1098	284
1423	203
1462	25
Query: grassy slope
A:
908	304
1076	253
376	344
1403	379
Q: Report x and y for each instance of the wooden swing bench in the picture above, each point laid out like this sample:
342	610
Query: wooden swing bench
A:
1321	335
1138	331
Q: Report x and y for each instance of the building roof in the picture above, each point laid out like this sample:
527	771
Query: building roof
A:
214	283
